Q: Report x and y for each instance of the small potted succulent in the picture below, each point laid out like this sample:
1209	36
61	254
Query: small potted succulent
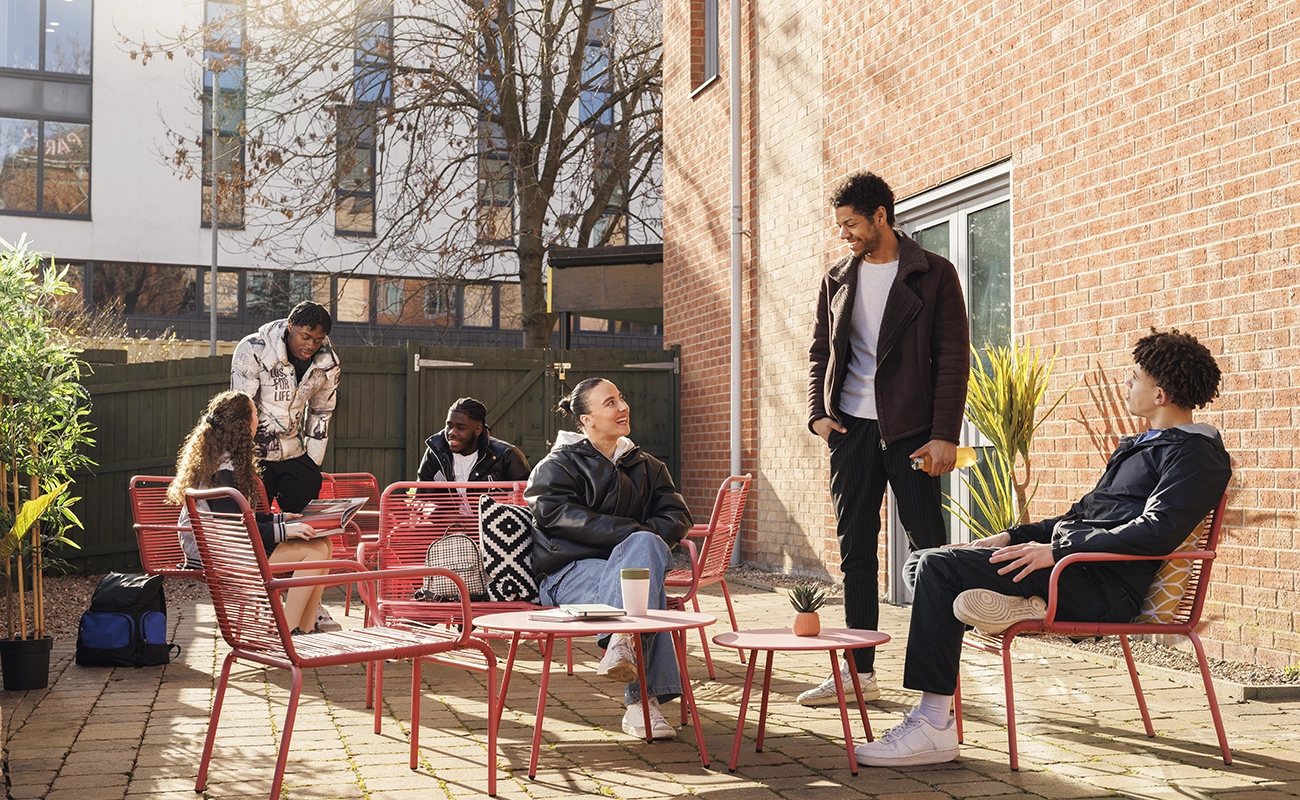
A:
807	598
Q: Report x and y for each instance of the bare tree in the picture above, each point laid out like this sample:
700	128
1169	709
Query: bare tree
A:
444	136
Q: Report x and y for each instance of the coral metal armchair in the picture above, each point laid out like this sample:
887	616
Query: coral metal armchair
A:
251	617
711	567
1185	619
156	531
365	525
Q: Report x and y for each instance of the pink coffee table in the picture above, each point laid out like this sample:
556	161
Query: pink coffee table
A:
675	622
770	640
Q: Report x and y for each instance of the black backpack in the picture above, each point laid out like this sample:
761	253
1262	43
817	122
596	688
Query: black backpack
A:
126	624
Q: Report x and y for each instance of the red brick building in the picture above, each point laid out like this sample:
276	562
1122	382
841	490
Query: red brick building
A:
1093	169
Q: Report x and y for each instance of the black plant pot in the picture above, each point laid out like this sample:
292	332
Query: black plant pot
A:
25	663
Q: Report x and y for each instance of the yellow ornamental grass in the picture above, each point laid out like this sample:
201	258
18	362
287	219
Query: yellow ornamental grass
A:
1007	384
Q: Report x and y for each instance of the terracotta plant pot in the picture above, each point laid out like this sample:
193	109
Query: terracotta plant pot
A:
807	624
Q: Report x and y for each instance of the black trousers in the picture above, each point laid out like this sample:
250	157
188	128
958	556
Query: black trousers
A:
295	482
860	471
1086	594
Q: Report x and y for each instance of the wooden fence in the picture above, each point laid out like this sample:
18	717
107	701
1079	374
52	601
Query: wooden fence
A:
389	402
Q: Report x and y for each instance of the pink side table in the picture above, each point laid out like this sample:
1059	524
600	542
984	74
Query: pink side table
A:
675	622
770	640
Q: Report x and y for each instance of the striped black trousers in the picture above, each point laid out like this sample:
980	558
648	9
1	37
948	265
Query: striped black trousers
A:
860	470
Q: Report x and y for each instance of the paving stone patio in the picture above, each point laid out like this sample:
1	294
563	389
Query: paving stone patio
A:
106	734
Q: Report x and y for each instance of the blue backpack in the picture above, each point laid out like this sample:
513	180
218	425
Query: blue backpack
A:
126	625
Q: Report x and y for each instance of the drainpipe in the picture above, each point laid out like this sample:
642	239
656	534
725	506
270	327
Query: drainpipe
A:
737	242
737	238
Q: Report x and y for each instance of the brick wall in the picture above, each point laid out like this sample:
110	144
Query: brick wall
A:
1155	182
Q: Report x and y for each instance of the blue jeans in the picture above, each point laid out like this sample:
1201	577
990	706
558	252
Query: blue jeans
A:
598	580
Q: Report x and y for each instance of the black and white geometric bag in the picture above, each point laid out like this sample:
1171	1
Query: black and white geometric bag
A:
505	537
458	553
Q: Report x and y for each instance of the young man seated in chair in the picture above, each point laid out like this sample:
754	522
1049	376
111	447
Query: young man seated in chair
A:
1157	487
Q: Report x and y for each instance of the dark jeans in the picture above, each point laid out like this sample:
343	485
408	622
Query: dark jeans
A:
860	470
295	482
1086	594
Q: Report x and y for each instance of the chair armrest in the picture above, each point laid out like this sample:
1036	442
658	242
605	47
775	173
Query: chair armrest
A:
370	576
1079	558
693	554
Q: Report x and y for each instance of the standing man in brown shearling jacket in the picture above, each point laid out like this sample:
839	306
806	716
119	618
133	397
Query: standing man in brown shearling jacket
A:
890	358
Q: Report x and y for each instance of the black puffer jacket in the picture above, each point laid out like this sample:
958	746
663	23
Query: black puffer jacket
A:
1149	499
497	460
586	505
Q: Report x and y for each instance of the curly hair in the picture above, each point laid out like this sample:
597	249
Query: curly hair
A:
223	432
1180	365
865	192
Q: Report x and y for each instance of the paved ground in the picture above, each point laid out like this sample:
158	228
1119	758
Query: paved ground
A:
100	734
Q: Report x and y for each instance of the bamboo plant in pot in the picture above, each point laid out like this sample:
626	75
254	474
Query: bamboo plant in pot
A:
43	438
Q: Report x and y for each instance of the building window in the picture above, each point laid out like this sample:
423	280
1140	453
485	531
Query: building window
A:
224	47
354	208
46	35
272	295
44	168
511	307
704	42
440	303
968	222
392	298
227	292
144	290
372	64
353	300
592	324
479	305
496	191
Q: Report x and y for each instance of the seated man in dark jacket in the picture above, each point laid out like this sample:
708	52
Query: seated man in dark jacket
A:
1156	488
464	450
601	505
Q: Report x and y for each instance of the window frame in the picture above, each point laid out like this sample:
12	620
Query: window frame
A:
40	122
953	202
209	121
341	149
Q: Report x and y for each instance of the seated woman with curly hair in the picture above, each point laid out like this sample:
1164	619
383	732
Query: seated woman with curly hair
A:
219	452
602	504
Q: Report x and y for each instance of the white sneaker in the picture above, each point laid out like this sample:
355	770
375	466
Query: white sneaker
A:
619	662
824	695
634	721
324	622
914	741
992	613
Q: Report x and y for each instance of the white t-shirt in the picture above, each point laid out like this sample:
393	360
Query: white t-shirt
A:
461	466
858	397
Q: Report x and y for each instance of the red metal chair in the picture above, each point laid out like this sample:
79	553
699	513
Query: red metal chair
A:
1185	619
364	526
412	515
246	599
356	484
711	567
156	531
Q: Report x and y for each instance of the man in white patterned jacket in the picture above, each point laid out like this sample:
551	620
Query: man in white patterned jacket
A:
292	374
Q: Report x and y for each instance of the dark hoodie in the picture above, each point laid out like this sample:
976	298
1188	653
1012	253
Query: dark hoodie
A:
1150	498
497	460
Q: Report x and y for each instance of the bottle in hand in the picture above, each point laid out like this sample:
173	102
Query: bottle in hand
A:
966	456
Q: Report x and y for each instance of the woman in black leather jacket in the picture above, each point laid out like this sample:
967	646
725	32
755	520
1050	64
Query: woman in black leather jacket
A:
601	505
